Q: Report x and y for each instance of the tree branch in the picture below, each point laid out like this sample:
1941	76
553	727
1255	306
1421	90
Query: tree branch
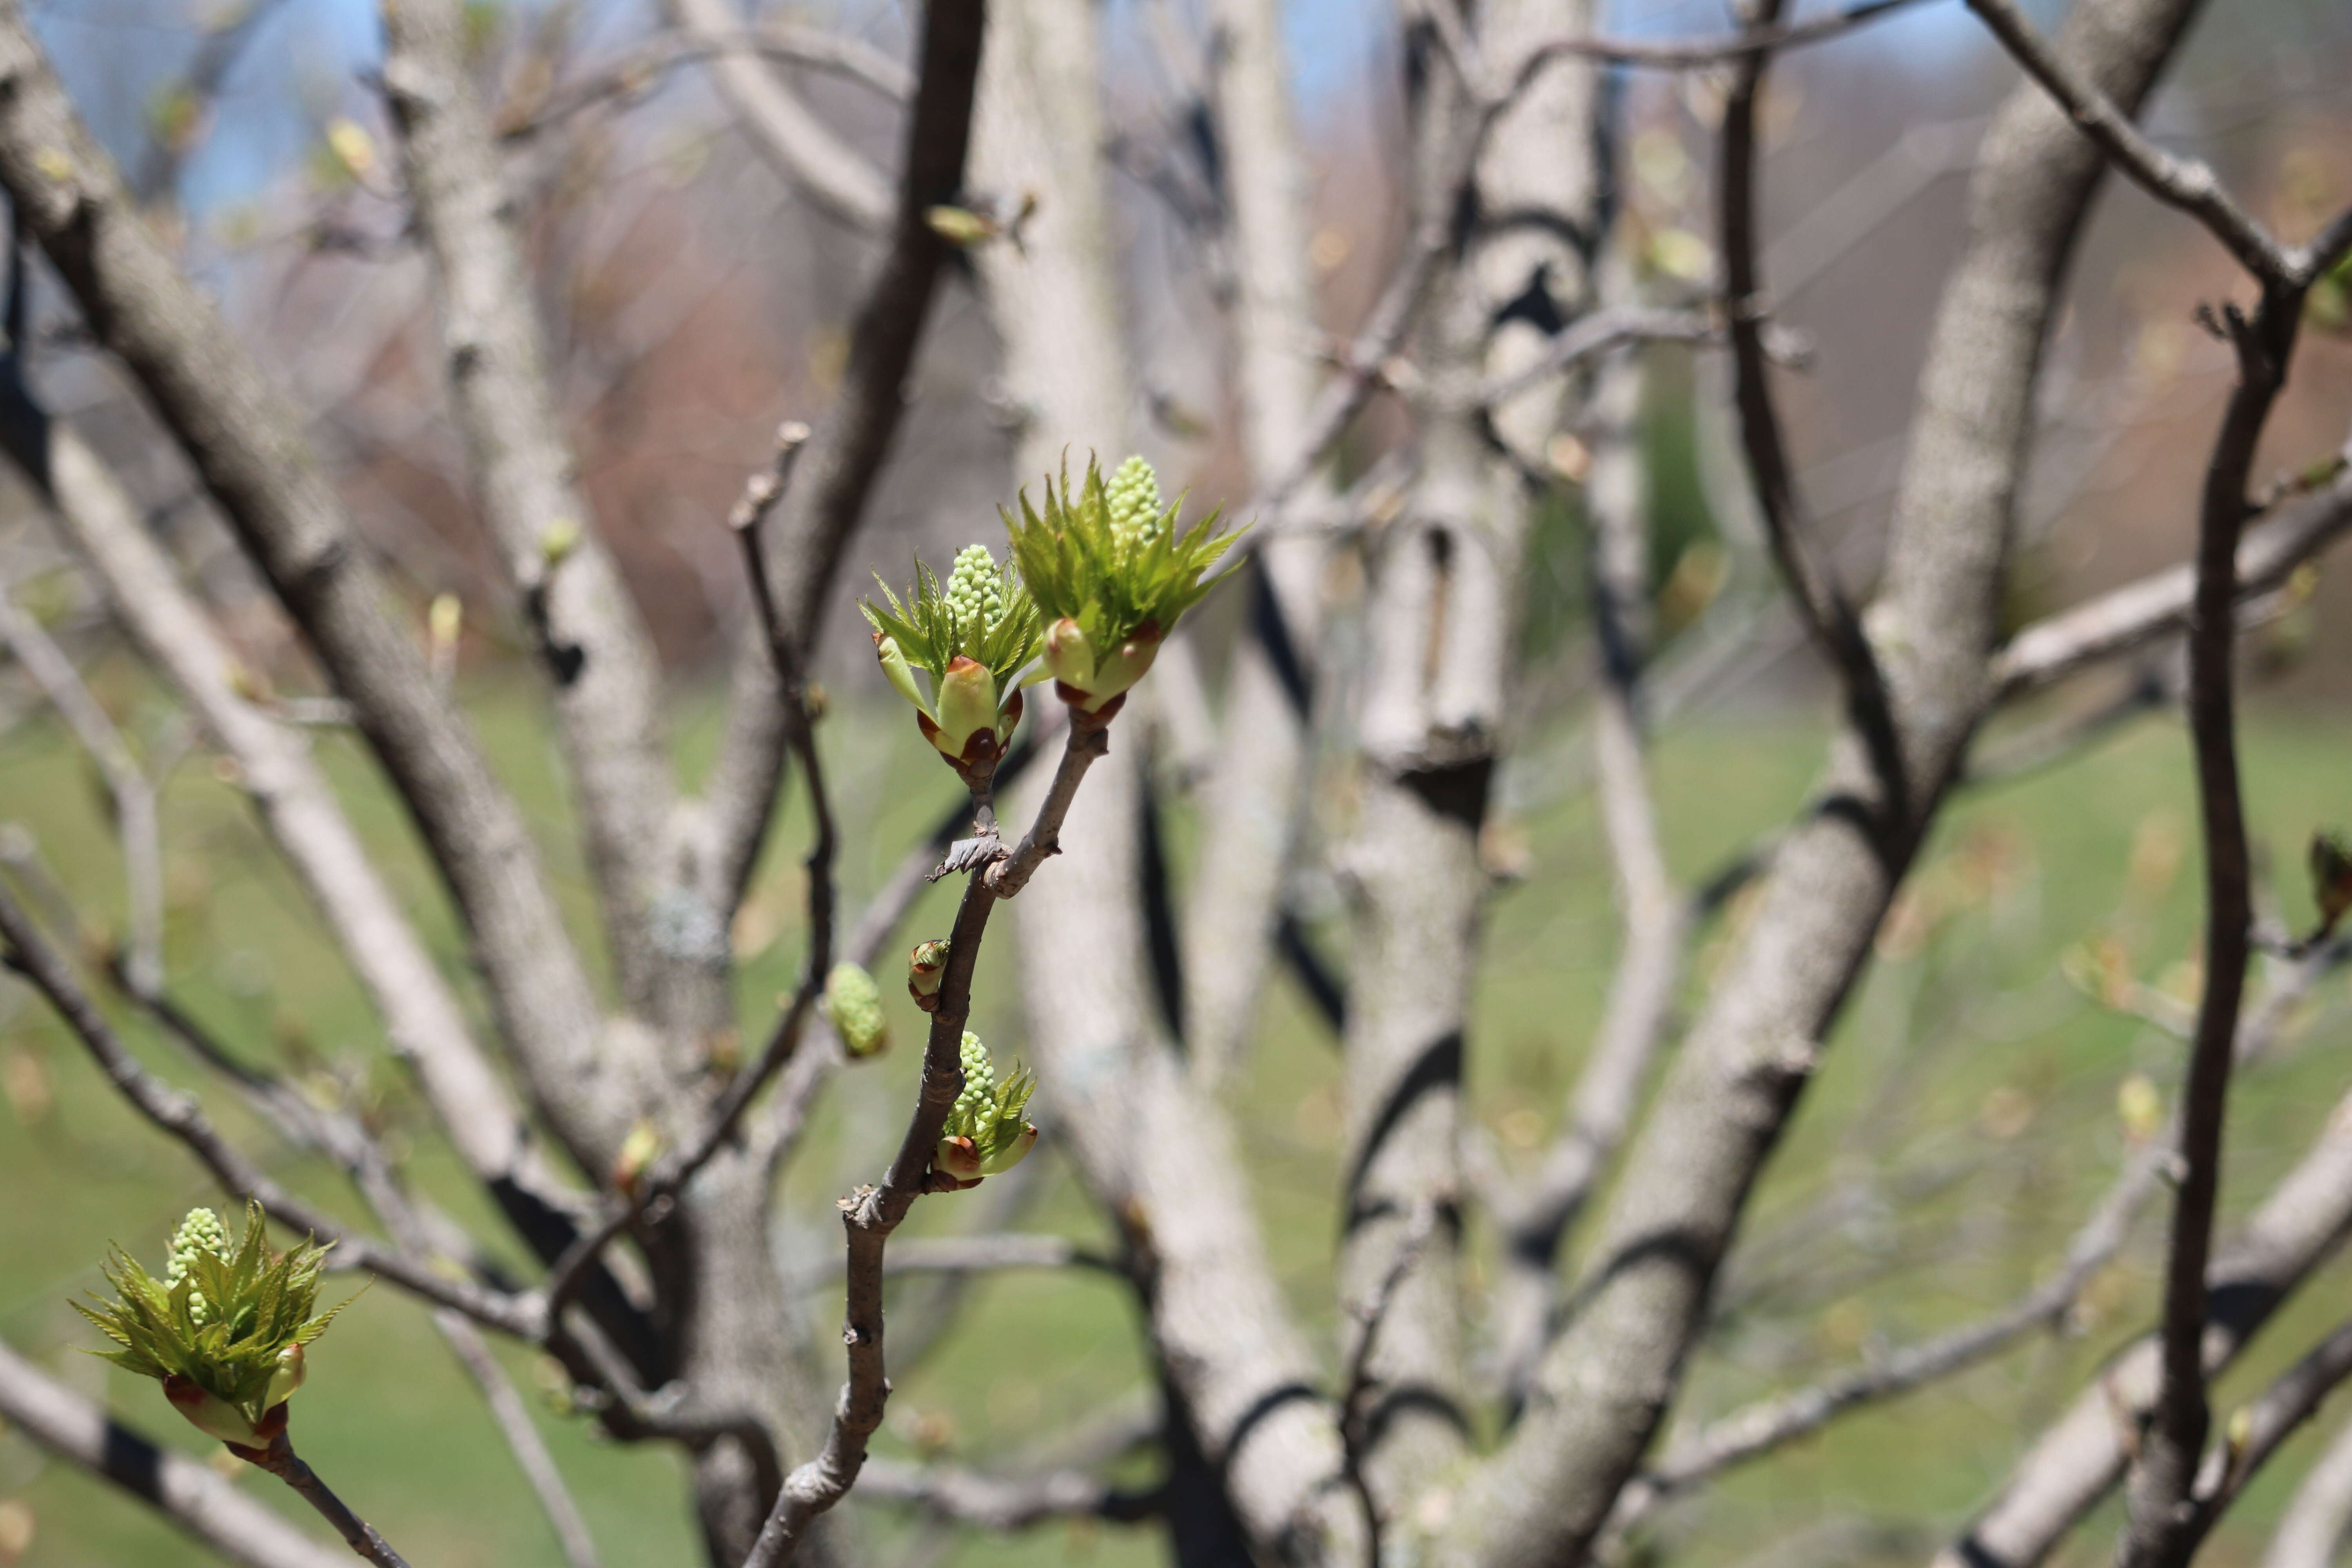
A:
179	1115
2320	1513
845	455
191	1494
422	1021
280	1460
126	781
956	1494
596	652
1770	1424
2157	605
1759	38
657	1188
837	178
2161	1532
2184	184
245	441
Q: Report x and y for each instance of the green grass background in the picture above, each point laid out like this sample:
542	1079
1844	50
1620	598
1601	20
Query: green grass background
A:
1970	1080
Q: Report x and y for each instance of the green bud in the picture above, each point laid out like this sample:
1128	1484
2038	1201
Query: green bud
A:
292	1369
1112	575
1069	655
212	1414
926	967
558	540
854	1003
958	225
224	1330
986	1132
972	637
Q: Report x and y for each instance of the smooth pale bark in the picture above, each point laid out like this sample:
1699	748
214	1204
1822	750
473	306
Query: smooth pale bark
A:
1608	1380
1252	801
1441	619
595	650
1153	1151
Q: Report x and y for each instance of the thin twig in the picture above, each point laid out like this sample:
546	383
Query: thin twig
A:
1768	1425
280	1460
965	1496
658	1186
2183	183
871	1214
1763	38
184	1489
178	1114
126	782
1821	600
2157	605
2159	1531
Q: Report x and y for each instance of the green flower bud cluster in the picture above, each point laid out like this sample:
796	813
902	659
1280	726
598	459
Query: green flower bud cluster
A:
986	1133
200	1233
971	639
224	1330
853	1004
1134	496
2331	878
1111	573
975	592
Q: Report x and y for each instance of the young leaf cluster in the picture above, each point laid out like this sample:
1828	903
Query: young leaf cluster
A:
983	614
1111	573
971	639
1119	568
987	1131
225	1329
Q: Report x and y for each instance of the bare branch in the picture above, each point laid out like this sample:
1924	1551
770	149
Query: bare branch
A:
2256	1431
280	1460
245	440
188	1492
1770	1424
1744	1064
597	654
954	1493
1251	794
657	1188
1089	738
1821	599
835	177
870	1215
1760	38
779	42
2161	1530
1594	335
2186	183
1653	911
179	1115
2317	1518
180	127
126	780
423	1020
2296	1228
845	455
2157	605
